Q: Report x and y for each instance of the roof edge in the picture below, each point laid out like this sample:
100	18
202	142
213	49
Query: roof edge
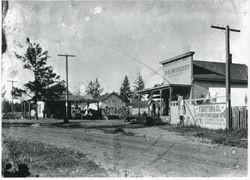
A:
218	62
190	53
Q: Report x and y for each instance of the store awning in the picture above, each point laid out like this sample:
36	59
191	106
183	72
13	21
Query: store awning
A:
161	87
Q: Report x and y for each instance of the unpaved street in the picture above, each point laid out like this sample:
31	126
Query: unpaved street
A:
150	151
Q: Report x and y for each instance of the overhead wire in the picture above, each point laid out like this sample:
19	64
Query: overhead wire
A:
126	54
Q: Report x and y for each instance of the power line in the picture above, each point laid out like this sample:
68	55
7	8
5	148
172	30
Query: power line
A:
128	55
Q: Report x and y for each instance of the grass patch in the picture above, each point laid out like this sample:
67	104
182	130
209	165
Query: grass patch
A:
236	138
47	160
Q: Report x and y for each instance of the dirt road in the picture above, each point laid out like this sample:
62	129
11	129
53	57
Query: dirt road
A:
150	152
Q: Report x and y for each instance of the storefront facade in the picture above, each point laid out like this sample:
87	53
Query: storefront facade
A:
189	78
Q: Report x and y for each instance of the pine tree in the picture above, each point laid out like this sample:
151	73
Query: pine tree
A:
139	83
46	83
98	88
125	91
94	88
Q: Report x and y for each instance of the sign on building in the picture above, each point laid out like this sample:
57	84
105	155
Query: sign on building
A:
179	71
210	116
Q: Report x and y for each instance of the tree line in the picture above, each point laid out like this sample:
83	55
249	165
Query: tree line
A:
127	94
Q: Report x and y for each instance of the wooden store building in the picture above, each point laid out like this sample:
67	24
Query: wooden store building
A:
184	76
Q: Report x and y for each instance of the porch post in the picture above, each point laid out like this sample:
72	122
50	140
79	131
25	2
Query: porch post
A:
161	110
150	100
170	94
29	111
170	99
25	112
148	108
139	108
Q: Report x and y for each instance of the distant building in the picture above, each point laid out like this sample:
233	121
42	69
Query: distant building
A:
112	105
55	108
111	100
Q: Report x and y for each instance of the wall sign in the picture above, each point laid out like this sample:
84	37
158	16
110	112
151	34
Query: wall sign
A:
210	116
179	71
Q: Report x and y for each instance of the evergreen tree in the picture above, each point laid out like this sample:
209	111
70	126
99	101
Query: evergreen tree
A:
98	88
94	88
6	106
46	83
125	91
138	83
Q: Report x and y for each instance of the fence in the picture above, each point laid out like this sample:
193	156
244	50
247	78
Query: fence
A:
114	112
239	117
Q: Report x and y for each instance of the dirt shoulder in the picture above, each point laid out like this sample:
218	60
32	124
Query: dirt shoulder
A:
45	160
142	152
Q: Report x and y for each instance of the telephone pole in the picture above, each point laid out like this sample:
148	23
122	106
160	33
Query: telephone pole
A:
12	86
67	94
227	30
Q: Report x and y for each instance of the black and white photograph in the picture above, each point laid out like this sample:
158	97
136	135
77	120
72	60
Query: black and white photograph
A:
115	88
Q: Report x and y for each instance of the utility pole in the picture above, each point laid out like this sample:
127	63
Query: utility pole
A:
227	30
67	94
12	105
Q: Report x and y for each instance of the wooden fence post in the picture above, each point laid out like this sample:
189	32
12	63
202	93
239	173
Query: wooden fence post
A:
244	117
234	118
237	117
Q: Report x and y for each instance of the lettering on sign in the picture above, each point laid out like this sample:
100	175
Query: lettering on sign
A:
211	116
178	72
177	69
212	108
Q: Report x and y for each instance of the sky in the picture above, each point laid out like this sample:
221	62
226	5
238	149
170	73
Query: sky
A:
100	33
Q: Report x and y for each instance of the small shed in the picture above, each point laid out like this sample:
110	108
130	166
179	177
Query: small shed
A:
56	107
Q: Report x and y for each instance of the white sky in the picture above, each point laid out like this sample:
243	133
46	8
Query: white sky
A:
151	31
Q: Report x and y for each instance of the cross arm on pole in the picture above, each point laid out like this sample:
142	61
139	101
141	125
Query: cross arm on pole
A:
223	28
12	81
68	55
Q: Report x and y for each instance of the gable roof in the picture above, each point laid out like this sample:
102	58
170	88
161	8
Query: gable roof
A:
75	98
107	95
216	71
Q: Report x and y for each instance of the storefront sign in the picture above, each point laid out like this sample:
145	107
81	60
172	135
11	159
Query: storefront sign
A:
210	116
178	72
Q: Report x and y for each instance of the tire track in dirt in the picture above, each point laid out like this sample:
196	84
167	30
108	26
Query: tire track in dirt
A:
153	157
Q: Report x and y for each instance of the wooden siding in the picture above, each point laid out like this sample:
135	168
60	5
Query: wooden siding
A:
200	88
178	72
113	101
